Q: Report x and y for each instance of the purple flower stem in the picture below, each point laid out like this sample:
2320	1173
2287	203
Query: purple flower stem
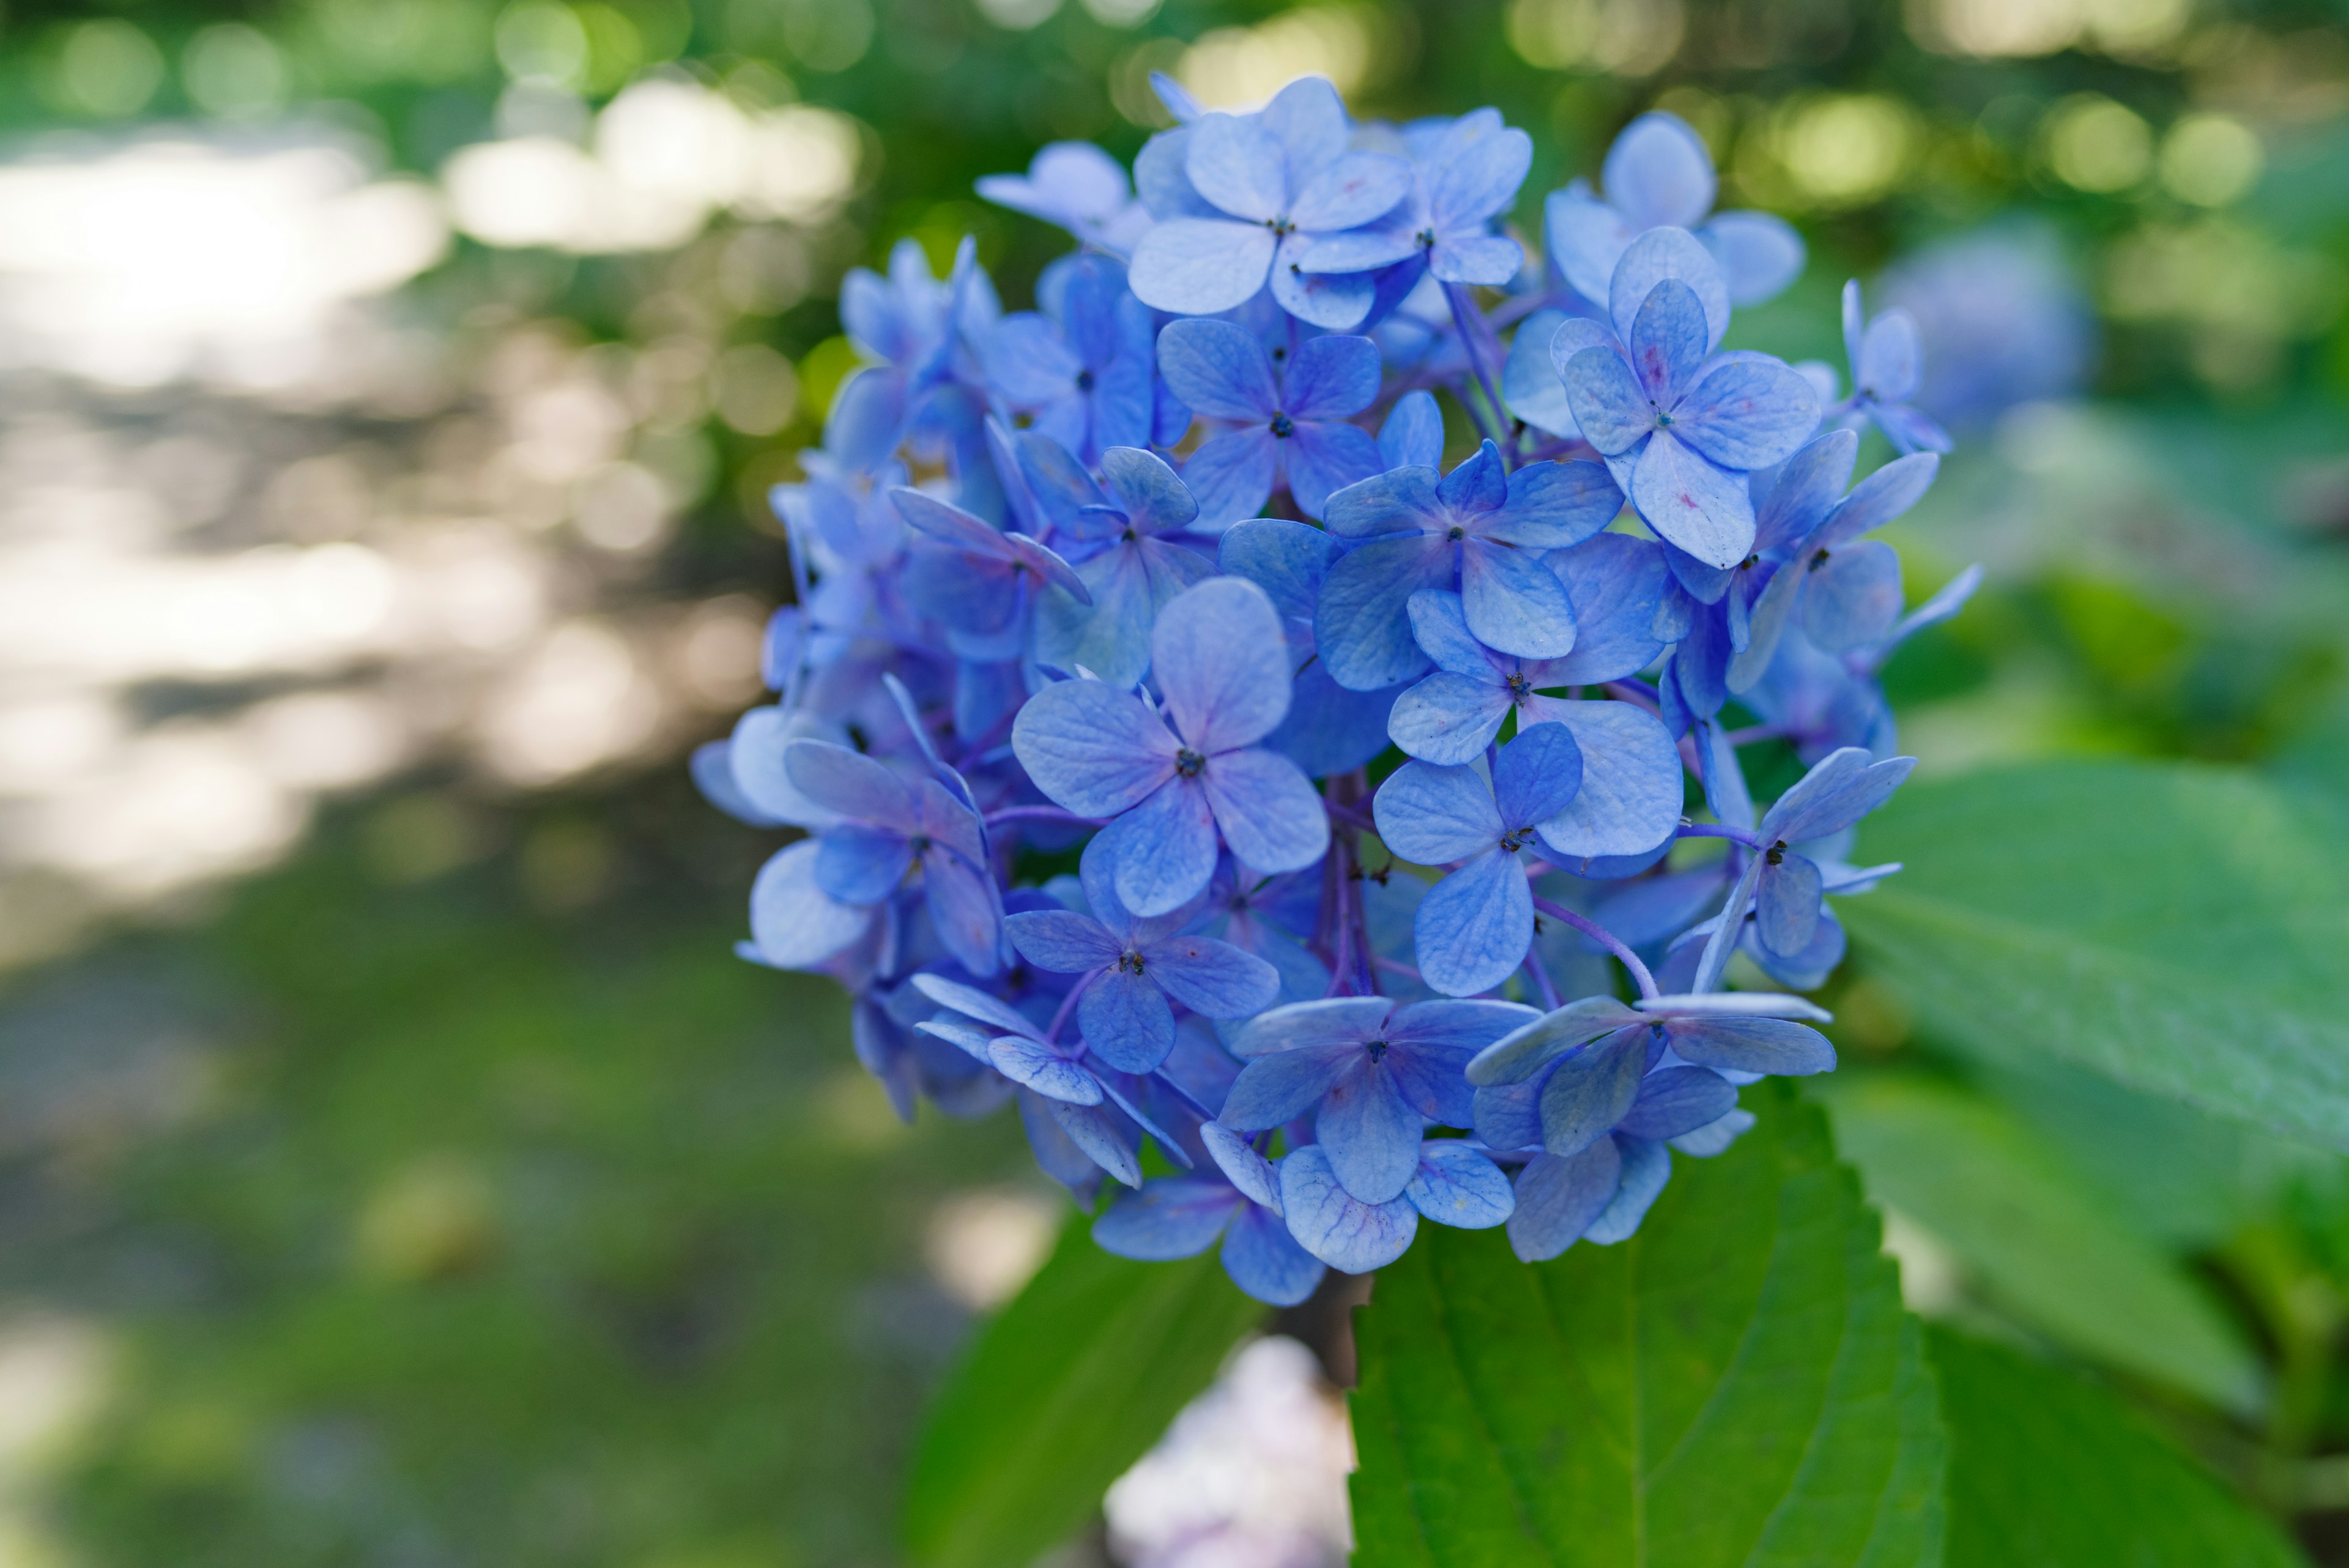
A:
1351	816
1718	830
1342	979
1472	346
1605	938
1541	981
1068	1006
1396	966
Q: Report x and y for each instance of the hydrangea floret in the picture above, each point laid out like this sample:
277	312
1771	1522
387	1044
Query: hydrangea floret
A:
1281	712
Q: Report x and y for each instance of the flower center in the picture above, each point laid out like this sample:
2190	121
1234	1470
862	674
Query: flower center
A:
1454	533
1425	236
1282	427
1378	1050
1519	687
919	844
1129	962
1084	380
1662	419
1187	763
1515	839
1776	854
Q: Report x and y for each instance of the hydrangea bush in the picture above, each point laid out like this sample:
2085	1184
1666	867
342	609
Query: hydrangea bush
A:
1187	754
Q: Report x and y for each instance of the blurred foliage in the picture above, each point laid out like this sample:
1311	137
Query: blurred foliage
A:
505	1217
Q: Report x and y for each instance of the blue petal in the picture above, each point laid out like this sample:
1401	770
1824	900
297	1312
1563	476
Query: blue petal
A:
1231	475
1879	499
1370	1136
1808	484
1213	979
1279	1087
1164	849
1753	1045
1265	1261
1509	1116
1350	1020
1588	1093
1335	302
1614	582
1057	1153
1268	810
1614	414
1172	1216
849	782
965	908
1027	361
1220	660
1765	624
1691	504
1440	628
1536	775
1127	1022
1668	342
1853	597
1456	1186
757	754
1324	457
1448	719
1658	172
1236	163
1433	815
711	767
1330	1223
1361	625
1331	730
973	1002
1586	238
1093	748
1399	500
1151	493
1309	119
1531	1045
1247	1170
1412	436
1890	354
1676	1100
1647	1166
1044	1070
1200	266
1056	480
1287	559
1529	381
1844	787
1479	484
1759	253
1352	192
1631	795
1786	904
1557	1199
1554	504
1218	368
1714	1137
1474	927
1095	1130
1480	180
860	865
1512	602
1656	256
1111	636
1748	414
793	922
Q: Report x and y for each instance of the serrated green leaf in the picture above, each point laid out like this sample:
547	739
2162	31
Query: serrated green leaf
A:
2176	927
1735	1384
2047	1471
2041	1241
1064	1389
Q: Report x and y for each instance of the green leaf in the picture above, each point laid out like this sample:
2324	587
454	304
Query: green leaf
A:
1066	1386
2047	1471
2040	1240
1735	1384
2176	927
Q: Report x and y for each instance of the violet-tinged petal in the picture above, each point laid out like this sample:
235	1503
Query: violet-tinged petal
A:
794	924
1753	1045
1909	431
1412	436
1397	500
1222	664
1268	810
1512	602
1536	775
1479	484
1201	265
1587	1093
1349	1020
1361	623
860	865
1061	940
1231	475
1509	1116
1677	1100
1808	486
1614	582
1889	356
1160	179
965	907
1213	979
1455	1185
1748	414
1518	1055
1125	1021
1557	1198
1663	254
866	417
1360	250
1279	1087
1448	719
1093	1128
1027	360
1529	381
1044	1070
1172	1216
711	767
972	1041
1732	1005
1853	597
1667	341
1331	730
1759	253
1110	637
1765	624
1323	458
1309	119
1335	302
850	784
1246	1168
1057	1154
973	1002
1336	1226
1236	163
1647	1166
1487	261
1441	628
1457	1025
1879	499
1658	172
1148	490
1433	815
1631	794
1473	929
757	754
1714	1137
1331	377
1586	237
1090	748
1352	192
1555	505
1372	1136
1827	800
1265	1261
1219	368
1691	504
1164	848
1479	181
1606	398
1286	558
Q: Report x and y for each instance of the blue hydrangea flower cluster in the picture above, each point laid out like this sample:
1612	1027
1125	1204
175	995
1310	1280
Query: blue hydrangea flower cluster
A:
1294	828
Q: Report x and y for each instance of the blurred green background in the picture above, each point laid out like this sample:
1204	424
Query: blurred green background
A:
398	1168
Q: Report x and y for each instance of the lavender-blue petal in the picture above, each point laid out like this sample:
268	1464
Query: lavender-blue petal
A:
1631	794
1853	597
1537	774
1201	265
1677	1100
1171	1217
1044	1070
1786	904
1164	849
973	1002
1479	484
1236	164
1879	499
1433	815
1455	1185
859	864
794	924
1211	977
1371	1135
1658	172
1647	1166
1220	661
1656	256
965	908
1335	302
1448	719
1748	414
1219	368
1509	1116
1413	435
1286	558
1350	192
1440	628
1265	1261
849	782
1808	487
1241	1164
1278	1089
1399	500
1148	490
1336	1226
1056	1153
1529	381
1692	504
1557	1198
1061	940
1552	505
1512	602
1267	809
1350	1020
1093	748
1488	261
1759	253
1231	475
1753	1045
1361	623
1667	342
1095	1130
1127	1022
1607	400
1615	583
1588	1093
1474	927
1480	180
1028	361
1535	1042
1324	457
1714	1137
1854	788
1331	730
